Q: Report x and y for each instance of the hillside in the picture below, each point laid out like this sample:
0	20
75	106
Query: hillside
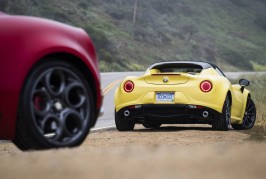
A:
230	33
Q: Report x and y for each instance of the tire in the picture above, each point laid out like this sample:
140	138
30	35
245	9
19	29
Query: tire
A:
222	122
249	118
149	125
55	109
123	124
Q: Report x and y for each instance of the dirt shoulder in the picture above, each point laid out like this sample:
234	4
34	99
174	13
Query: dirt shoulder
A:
169	152
167	135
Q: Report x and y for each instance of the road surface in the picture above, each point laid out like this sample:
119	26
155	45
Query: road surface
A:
110	81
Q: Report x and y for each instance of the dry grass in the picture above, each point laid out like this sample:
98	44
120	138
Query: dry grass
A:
261	114
258	132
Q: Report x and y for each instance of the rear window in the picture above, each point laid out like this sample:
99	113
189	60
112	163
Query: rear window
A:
178	68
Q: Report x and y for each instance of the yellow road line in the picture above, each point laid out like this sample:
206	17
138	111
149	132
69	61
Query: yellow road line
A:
110	86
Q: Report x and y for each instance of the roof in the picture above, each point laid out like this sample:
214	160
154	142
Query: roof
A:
204	65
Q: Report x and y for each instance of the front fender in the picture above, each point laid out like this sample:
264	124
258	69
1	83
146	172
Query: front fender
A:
24	41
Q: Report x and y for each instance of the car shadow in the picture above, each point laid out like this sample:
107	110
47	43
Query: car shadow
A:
174	128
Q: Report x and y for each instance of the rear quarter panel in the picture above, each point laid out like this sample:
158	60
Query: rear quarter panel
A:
238	103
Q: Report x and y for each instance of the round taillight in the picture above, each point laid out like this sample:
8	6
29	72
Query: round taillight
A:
206	86
128	86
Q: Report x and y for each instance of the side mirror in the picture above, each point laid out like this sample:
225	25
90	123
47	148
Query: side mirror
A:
243	83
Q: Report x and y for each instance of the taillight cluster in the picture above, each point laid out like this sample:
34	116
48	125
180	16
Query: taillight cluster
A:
128	86
206	86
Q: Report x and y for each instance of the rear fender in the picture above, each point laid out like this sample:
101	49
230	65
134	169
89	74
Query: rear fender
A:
239	103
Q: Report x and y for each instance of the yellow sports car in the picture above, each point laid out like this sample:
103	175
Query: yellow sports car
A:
183	93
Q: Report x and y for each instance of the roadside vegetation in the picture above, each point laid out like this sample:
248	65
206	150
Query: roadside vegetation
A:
129	35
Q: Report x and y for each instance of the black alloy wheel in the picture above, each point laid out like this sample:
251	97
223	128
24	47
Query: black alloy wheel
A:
249	116
55	109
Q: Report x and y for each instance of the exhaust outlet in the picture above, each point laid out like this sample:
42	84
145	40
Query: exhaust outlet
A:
205	114
126	113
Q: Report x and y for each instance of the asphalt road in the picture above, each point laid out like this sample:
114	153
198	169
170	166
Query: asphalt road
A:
111	80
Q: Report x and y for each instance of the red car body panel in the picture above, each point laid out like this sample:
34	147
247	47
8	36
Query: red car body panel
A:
23	42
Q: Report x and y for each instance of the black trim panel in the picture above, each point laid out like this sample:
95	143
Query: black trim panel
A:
204	65
169	114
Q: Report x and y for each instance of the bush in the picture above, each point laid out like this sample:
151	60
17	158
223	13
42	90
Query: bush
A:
105	56
236	59
163	7
136	67
261	21
98	37
239	3
3	4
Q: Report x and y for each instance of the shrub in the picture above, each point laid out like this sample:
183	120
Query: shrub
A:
105	56
236	59
98	37
3	4
261	21
239	3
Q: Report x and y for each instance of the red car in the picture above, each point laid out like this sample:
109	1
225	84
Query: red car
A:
50	92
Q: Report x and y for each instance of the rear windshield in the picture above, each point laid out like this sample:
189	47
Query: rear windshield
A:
178	68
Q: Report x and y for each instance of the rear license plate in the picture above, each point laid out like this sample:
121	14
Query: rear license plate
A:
165	96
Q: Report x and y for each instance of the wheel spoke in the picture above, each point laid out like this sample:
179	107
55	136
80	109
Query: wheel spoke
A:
251	109
51	127
55	82
248	120
244	121
75	95
72	121
46	80
251	118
